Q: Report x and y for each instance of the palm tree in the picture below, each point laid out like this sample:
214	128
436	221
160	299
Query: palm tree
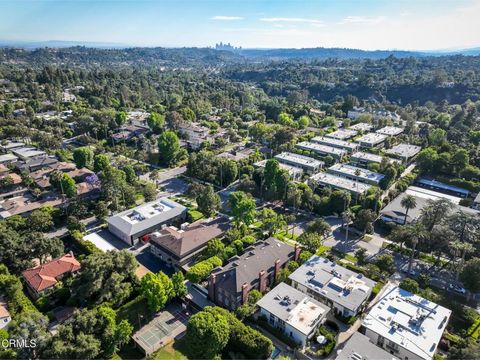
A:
416	233
408	202
357	174
347	217
459	250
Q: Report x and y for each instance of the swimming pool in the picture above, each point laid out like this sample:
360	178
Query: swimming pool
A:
275	352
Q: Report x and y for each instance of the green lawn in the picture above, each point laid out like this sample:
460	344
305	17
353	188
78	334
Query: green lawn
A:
171	351
351	258
194	215
323	250
136	312
285	236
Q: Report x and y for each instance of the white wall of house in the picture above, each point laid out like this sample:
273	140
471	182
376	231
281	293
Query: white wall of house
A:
392	348
288	330
4	321
318	296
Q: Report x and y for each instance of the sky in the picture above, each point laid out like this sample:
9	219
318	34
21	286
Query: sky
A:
362	24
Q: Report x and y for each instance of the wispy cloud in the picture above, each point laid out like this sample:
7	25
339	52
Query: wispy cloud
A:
226	18
364	20
292	20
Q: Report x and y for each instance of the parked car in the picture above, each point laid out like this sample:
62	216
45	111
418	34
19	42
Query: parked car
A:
411	273
456	288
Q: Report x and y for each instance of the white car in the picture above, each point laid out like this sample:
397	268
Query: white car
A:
456	288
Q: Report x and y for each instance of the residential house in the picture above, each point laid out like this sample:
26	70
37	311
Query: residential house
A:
342	183
406	325
294	313
195	134
356	174
131	225
323	150
336	143
404	152
371	140
340	288
43	278
395	212
179	247
390	131
256	268
5	316
295	172
342	134
359	347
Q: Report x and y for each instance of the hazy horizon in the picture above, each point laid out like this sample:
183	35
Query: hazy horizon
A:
412	25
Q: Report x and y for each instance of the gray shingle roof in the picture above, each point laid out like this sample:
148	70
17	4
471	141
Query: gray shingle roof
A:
360	347
245	268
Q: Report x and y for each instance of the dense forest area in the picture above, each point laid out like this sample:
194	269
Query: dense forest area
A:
397	79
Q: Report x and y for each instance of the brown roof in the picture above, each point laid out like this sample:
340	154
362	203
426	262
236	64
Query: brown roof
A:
3	310
80	172
35	175
44	276
43	183
63	166
17	179
24	204
4	169
197	235
85	188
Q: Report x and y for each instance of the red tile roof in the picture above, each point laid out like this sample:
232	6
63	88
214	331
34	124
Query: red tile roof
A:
44	276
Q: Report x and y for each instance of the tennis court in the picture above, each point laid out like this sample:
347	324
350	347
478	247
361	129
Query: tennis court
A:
165	327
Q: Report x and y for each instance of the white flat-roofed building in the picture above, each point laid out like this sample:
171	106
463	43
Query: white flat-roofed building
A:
371	140
340	144
476	202
10	145
323	150
342	134
29	153
395	212
363	158
295	172
308	164
337	182
195	134
362	127
405	152
340	288
356	112
390	131
8	158
356	173
132	224
406	325
294	313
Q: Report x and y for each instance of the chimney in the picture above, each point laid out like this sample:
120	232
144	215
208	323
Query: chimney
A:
262	281
298	249
245	292
277	268
211	286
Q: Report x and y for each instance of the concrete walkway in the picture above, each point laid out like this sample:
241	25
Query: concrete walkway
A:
344	336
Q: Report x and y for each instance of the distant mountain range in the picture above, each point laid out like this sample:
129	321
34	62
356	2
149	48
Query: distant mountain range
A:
60	44
274	54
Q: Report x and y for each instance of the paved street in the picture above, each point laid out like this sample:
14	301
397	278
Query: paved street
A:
89	223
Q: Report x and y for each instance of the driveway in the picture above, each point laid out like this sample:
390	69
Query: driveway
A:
353	243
